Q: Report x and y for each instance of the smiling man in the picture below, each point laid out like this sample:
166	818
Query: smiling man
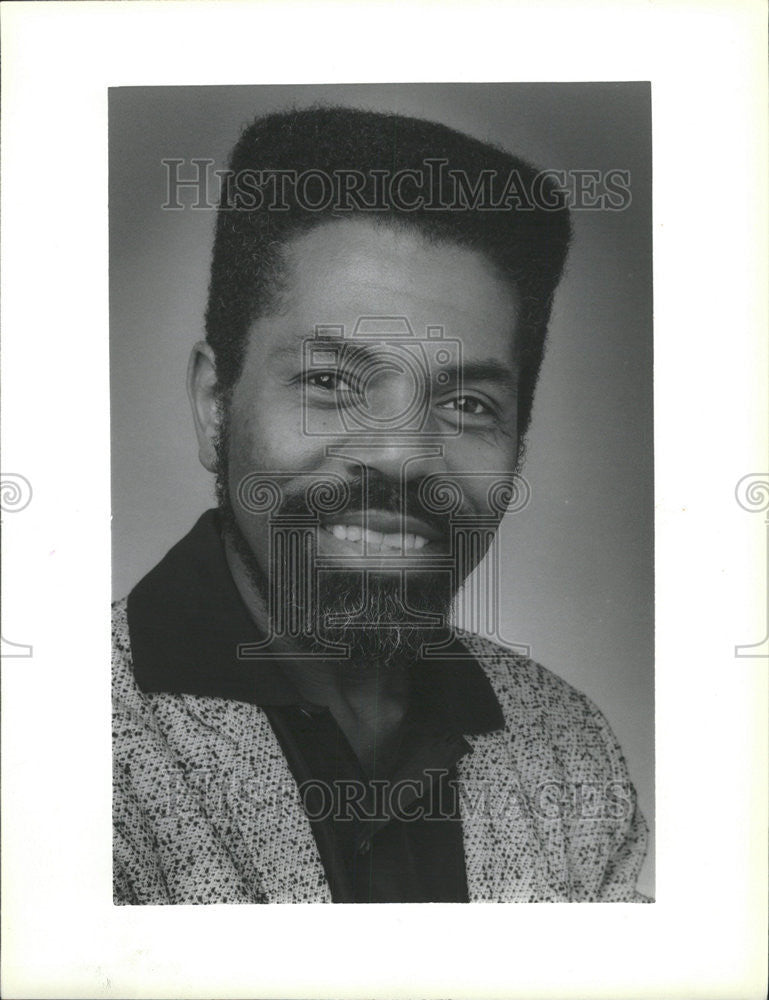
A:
295	718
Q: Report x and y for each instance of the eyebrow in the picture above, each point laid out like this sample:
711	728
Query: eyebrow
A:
489	370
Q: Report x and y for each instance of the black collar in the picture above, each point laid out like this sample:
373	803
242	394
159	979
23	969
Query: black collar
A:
186	621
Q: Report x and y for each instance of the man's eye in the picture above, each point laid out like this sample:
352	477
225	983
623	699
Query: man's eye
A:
469	405
331	381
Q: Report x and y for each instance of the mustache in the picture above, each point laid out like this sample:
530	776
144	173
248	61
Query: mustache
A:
375	493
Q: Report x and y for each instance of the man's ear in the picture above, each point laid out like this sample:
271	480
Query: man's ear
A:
201	388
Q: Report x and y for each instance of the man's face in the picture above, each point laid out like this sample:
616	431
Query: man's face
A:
391	360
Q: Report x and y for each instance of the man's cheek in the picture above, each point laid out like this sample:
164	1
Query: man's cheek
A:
494	451
275	444
259	539
255	529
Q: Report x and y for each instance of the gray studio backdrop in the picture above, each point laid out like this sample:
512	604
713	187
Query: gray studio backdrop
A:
577	563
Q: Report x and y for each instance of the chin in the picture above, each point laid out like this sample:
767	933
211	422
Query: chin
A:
376	621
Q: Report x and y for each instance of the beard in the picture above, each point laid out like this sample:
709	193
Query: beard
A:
371	619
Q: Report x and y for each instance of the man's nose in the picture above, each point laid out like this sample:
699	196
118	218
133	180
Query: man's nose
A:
397	458
392	431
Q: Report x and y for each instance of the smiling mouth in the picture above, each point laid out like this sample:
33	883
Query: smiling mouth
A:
377	541
378	532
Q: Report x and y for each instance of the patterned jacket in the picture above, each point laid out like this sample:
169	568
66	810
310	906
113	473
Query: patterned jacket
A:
206	809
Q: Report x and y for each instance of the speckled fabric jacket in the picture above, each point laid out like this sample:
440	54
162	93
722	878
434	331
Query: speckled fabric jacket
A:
206	809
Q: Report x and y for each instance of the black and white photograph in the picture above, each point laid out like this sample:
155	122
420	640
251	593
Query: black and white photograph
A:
380	595
384	499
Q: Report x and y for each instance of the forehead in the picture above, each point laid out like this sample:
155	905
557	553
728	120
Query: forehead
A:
342	271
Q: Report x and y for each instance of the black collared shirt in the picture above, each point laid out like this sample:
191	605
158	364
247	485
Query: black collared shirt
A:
395	839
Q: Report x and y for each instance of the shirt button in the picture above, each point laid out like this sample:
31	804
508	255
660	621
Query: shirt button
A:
365	847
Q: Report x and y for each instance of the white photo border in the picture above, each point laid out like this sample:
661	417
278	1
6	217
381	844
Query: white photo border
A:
705	934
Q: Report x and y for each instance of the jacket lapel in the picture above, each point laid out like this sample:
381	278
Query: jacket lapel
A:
274	827
513	853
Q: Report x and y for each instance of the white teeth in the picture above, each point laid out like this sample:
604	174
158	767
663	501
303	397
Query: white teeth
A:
376	540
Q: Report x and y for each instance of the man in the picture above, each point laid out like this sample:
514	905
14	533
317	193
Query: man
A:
295	719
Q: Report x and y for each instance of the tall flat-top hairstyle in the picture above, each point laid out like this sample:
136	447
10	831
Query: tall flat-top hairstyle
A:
295	170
